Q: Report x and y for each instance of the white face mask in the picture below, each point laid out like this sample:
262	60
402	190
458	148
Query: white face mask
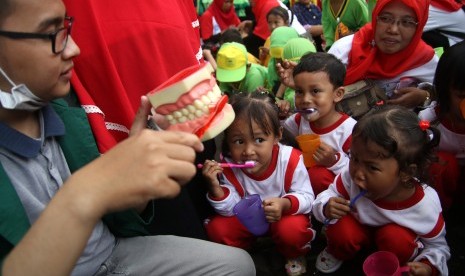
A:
20	97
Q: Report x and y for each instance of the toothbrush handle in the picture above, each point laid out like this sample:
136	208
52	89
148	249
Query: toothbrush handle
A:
223	165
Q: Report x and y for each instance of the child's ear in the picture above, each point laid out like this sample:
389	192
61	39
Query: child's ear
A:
339	94
408	173
280	136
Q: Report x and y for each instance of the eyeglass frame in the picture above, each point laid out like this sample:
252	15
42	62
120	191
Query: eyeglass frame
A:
52	36
398	21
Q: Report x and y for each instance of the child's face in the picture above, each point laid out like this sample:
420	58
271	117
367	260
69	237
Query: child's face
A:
245	146
370	171
275	21
31	61
314	90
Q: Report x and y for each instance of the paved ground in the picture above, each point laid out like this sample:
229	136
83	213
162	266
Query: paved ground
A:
270	263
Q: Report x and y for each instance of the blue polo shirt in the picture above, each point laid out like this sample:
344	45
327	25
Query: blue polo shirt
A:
37	168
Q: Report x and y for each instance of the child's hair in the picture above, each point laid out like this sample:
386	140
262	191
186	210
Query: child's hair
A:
322	62
450	74
397	130
279	11
258	107
230	35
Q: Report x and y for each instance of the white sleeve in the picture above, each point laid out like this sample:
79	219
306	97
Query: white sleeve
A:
341	163
322	199
225	206
291	126
341	48
436	251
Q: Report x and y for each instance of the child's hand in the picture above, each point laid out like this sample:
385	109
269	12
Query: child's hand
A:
419	269
336	208
211	169
285	69
325	155
284	108
274	208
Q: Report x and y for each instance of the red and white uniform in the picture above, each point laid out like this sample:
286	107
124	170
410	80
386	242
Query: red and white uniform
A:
286	177
338	135
421	214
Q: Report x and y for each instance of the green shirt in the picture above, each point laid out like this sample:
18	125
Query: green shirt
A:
353	14
255	77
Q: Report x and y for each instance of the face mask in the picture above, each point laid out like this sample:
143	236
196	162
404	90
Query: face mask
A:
20	97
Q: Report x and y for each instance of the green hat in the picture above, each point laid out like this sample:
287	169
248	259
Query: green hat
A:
279	37
231	62
296	48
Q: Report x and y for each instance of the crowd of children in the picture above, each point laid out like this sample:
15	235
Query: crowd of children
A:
370	177
378	183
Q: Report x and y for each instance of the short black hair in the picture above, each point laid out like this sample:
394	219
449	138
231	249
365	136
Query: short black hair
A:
231	35
449	75
322	62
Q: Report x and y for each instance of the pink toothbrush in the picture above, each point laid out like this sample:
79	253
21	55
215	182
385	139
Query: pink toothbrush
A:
247	164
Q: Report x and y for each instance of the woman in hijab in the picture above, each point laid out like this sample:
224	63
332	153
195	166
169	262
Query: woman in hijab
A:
390	49
219	16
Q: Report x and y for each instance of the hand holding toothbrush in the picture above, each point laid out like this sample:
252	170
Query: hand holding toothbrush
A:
212	169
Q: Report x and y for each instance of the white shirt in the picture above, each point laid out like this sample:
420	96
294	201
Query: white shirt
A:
338	136
286	177
421	213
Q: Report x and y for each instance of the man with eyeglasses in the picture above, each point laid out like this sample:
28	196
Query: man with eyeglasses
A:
54	186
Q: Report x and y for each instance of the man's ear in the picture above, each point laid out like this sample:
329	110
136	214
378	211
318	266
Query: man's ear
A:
339	94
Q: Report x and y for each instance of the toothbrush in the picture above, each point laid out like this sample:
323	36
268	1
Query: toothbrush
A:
352	202
247	164
306	111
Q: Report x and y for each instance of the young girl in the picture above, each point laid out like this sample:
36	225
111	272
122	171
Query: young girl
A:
380	201
276	17
448	172
279	177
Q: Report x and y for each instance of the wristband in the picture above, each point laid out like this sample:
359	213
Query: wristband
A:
279	98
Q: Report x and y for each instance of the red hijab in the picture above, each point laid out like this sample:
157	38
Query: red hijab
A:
447	5
126	51
260	10
366	61
224	19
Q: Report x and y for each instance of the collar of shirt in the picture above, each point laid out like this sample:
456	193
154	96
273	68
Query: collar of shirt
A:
26	146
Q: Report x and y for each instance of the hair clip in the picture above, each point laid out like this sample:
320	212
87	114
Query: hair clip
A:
380	103
424	125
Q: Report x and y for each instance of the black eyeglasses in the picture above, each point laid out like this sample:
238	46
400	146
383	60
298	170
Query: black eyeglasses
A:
59	37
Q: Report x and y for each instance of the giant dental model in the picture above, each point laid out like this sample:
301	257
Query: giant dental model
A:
191	101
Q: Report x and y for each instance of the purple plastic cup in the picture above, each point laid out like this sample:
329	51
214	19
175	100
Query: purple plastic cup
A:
250	213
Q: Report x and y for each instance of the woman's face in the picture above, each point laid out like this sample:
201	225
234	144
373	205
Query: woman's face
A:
395	27
227	5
